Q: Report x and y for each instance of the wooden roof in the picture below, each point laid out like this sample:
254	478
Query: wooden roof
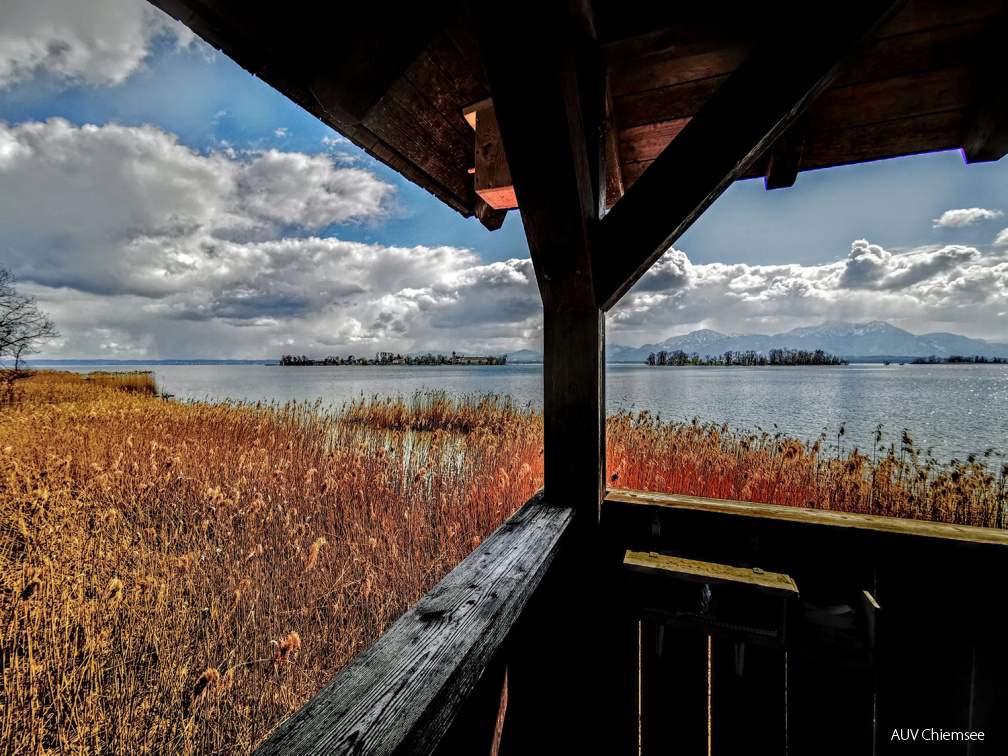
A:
395	78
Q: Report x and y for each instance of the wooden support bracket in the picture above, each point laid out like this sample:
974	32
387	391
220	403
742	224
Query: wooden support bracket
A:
785	157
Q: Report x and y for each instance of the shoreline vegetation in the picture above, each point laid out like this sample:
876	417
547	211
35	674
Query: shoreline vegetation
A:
750	358
957	359
182	576
387	358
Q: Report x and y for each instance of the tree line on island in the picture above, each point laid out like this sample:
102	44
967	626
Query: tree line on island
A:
958	359
679	358
388	358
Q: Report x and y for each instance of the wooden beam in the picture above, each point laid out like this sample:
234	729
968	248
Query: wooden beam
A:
469	111
825	519
532	68
492	176
547	81
402	694
614	187
986	137
746	114
785	157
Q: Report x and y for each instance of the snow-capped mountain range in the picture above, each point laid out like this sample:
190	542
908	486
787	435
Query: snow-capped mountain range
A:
868	342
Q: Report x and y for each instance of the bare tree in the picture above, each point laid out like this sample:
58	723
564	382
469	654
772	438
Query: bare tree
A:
23	326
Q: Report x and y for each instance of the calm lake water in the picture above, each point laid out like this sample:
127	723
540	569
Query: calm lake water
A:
955	410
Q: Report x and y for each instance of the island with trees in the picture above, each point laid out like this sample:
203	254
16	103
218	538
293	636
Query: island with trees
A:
388	358
958	359
750	358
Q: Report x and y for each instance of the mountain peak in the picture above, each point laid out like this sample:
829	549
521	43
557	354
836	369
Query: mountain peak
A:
875	339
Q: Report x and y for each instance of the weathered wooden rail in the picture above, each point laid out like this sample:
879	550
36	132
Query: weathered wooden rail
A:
890	624
403	694
897	624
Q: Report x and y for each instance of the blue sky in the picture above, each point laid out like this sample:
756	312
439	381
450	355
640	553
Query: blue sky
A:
161	202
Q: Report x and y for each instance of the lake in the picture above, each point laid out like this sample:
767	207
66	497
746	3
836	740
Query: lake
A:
955	410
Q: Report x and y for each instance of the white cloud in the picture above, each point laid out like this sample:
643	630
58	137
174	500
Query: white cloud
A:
118	209
951	288
93	43
281	132
965	217
1002	238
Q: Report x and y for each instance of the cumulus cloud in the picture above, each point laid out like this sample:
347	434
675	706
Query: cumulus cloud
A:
952	288
138	245
115	209
965	217
93	43
1002	238
316	296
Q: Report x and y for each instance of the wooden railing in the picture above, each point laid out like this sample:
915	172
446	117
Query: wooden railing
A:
405	692
762	629
895	625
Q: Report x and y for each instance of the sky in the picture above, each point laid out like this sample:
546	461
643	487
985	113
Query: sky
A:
162	203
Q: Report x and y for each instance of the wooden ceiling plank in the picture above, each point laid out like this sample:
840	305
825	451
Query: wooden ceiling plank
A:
440	74
424	137
921	15
906	55
764	96
460	30
892	99
647	142
906	136
665	104
676	67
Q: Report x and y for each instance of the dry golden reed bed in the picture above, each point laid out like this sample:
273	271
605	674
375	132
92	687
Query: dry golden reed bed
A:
179	577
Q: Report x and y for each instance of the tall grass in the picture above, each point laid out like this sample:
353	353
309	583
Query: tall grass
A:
134	381
709	460
180	577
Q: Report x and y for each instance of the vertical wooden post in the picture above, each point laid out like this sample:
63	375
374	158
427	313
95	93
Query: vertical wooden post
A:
574	406
547	82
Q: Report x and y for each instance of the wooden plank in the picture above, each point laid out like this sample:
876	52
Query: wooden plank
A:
461	30
646	142
402	694
922	15
332	47
492	175
680	101
825	518
440	75
764	96
891	99
908	136
747	699
942	47
708	572
675	59
614	174
673	690
469	111
422	135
